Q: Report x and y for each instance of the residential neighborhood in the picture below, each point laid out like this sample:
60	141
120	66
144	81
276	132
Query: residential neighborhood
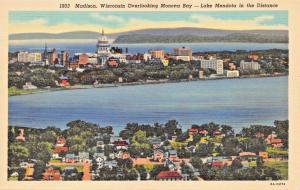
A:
86	151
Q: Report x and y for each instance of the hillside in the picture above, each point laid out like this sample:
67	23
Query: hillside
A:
169	35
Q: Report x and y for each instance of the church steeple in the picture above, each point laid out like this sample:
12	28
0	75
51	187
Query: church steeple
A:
102	32
46	52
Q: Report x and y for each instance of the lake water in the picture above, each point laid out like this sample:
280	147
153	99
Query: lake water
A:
74	46
236	102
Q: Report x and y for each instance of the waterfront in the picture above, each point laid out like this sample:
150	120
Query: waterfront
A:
236	102
89	46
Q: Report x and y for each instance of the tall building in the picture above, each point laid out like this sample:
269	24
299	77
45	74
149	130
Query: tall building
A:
215	64
183	52
63	58
157	54
249	65
25	57
52	57
103	49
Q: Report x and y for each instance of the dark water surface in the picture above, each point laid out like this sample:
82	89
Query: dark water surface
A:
236	102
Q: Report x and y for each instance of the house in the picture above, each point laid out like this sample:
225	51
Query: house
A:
168	176
20	137
57	150
264	155
278	143
83	156
171	165
71	158
120	144
273	135
218	133
29	172
158	155
141	161
203	132
112	63
217	163
192	131
155	142
51	174
29	86
63	81
59	147
247	154
250	156
123	155
86	171
191	148
60	141
70	173
173	138
172	154
274	141
99	158
111	164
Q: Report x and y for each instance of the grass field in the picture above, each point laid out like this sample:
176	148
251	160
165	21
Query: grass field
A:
15	91
282	166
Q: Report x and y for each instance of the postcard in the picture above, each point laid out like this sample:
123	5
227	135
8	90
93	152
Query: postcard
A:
149	95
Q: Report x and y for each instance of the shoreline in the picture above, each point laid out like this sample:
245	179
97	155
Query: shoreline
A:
160	81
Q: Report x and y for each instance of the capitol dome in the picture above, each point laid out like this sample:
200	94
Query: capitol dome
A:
102	39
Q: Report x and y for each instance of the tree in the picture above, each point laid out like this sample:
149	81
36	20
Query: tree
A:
231	146
196	162
49	136
75	144
17	153
39	168
236	164
259	162
142	171
185	169
21	173
157	169
43	151
131	174
227	130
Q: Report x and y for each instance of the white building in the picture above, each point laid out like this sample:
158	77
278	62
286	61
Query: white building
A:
29	86
249	65
103	49
121	57
182	57
147	56
215	64
231	73
25	56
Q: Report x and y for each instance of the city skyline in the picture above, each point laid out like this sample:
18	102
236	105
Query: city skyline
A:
114	22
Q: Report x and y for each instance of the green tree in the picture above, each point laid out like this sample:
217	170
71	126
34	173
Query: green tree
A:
17	153
196	162
236	164
39	168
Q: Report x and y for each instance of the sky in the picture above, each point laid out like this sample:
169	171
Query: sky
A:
113	22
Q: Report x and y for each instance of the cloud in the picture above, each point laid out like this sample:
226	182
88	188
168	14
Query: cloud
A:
118	24
106	18
264	18
38	21
236	24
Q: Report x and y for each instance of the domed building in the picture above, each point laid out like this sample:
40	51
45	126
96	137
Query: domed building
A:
103	49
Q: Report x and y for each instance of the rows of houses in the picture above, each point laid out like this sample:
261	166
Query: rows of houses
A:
109	149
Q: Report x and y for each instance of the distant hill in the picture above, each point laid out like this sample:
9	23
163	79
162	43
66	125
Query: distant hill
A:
235	37
169	35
